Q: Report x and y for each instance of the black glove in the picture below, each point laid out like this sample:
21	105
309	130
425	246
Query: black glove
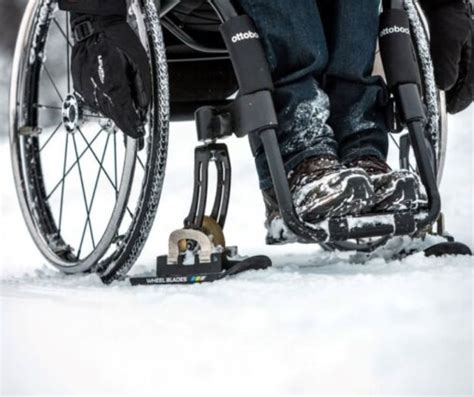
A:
452	32
110	70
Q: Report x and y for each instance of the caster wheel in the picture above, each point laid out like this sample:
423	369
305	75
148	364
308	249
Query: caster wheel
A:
448	248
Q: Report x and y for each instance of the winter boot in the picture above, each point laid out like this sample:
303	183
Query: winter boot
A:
321	188
394	190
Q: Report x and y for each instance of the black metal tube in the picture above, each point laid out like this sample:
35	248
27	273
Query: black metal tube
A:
412	112
404	81
344	229
282	189
427	175
392	5
224	8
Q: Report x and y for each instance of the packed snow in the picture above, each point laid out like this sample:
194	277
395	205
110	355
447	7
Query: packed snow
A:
317	322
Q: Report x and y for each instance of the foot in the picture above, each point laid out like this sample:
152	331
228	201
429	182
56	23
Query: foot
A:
321	188
394	190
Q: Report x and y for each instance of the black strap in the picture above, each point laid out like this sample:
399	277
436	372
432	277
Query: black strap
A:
83	30
86	26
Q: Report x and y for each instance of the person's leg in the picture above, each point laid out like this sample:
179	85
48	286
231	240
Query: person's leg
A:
358	100
295	47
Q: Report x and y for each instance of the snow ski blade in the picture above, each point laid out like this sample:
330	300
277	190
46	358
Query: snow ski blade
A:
200	273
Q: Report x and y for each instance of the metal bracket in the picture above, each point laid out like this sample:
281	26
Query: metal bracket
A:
204	155
247	114
204	242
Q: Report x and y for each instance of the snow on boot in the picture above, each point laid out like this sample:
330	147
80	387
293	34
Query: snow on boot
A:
321	188
394	190
277	231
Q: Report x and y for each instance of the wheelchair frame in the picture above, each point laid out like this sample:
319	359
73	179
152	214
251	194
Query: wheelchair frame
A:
257	95
251	114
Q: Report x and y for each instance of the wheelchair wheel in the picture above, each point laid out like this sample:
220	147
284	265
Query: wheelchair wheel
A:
88	194
436	128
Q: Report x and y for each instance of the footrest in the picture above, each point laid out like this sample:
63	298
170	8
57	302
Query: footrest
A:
448	248
221	266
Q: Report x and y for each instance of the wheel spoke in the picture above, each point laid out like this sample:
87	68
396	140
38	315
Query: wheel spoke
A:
71	168
65	35
141	162
97	159
52	82
91	203
412	169
51	136
115	167
394	141
93	116
63	185
68	56
84	195
49	107
114	185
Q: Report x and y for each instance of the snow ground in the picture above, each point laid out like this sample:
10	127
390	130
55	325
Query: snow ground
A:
315	323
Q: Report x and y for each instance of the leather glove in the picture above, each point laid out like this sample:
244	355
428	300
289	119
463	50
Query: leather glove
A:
452	32
110	70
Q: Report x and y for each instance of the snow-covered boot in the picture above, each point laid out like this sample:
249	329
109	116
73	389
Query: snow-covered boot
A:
394	190
321	188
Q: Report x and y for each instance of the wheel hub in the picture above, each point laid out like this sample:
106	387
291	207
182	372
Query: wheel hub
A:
71	113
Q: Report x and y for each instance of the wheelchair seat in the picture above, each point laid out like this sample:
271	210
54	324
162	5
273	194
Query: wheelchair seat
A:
200	69
197	14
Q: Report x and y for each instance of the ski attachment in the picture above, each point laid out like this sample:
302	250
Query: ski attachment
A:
180	270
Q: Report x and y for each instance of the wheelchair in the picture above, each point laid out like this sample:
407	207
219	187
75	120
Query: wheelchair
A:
100	220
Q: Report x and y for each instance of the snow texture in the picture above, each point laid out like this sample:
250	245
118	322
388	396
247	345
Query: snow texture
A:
315	323
308	128
45	16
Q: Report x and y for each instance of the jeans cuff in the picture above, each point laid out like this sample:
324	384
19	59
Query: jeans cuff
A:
355	154
264	173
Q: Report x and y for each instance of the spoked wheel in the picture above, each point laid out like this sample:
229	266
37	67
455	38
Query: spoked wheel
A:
88	193
436	129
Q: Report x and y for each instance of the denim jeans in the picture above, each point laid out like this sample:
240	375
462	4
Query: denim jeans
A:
321	54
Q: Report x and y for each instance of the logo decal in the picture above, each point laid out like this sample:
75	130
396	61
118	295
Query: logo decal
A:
393	30
245	36
176	280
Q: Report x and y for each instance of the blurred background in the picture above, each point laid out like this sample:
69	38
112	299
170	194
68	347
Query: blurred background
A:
10	16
